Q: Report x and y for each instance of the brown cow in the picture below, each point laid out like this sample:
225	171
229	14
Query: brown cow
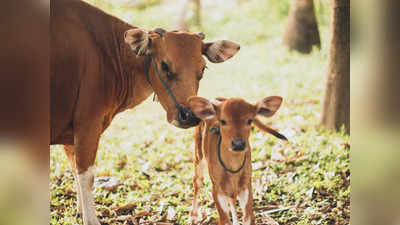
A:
222	145
101	66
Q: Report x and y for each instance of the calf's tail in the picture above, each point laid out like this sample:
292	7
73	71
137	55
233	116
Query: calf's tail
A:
260	125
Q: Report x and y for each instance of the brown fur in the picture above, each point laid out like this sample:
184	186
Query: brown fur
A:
236	113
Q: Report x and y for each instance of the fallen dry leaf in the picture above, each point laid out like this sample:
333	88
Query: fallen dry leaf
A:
108	183
143	214
126	209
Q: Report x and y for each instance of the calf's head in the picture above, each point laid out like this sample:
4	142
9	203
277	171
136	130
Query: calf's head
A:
178	56
233	116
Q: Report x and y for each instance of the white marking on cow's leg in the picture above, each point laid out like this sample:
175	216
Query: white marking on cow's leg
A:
224	203
70	153
232	204
243	200
196	215
78	194
85	181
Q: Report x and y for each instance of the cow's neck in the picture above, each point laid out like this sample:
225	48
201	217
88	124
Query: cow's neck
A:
131	86
138	89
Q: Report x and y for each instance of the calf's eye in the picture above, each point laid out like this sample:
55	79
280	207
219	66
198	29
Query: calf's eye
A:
249	121
223	122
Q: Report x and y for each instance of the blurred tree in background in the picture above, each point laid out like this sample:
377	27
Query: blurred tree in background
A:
301	32
181	23
336	105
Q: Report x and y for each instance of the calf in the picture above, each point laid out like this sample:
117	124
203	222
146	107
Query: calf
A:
221	143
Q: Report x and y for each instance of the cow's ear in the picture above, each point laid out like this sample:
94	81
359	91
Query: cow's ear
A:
220	51
139	40
268	106
201	107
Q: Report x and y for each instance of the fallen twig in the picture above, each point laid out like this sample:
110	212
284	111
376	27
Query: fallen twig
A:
279	209
267	207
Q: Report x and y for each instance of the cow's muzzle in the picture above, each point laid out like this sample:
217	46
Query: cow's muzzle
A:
186	118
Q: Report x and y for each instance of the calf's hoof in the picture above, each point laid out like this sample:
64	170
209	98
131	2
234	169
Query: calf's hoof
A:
271	222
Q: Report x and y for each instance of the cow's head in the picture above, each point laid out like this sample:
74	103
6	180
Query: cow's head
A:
179	59
234	117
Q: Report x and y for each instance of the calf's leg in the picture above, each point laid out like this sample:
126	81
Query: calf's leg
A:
232	204
222	204
246	203
195	213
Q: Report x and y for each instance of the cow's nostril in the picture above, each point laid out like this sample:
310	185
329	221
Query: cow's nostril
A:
187	118
183	115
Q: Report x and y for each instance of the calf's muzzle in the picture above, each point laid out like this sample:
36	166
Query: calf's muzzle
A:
238	144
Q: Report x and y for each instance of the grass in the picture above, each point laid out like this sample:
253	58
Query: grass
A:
152	159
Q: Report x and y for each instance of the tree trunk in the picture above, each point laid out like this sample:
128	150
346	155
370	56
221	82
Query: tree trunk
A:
336	105
301	32
181	22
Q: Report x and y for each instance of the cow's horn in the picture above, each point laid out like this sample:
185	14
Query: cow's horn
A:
202	35
159	31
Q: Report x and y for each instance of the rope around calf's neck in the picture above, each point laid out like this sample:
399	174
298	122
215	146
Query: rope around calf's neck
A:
215	130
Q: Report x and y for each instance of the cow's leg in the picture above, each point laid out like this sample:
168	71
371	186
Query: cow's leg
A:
86	143
88	208
246	203
232	204
195	213
70	153
222	204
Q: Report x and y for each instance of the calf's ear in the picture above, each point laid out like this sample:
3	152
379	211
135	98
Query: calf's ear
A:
139	40
201	107
268	106
220	51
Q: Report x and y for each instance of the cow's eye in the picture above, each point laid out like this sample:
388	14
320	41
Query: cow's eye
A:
167	71
164	67
223	122
171	76
249	121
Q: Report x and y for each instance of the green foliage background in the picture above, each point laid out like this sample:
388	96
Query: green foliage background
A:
152	159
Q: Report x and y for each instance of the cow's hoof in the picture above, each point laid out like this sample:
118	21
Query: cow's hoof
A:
93	221
196	217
